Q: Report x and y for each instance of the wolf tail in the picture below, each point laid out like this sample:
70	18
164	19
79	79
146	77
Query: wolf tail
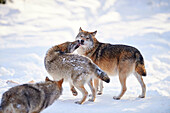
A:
101	74
140	67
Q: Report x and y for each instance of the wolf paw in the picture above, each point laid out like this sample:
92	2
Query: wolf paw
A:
78	102
141	96
99	93
91	100
74	93
116	98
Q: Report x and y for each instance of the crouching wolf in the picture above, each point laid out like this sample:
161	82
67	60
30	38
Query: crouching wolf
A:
78	70
113	59
31	98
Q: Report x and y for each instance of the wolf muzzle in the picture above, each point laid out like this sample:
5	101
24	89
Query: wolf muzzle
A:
81	42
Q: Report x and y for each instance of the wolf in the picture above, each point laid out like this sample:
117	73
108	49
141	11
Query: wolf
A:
60	63
31	98
121	60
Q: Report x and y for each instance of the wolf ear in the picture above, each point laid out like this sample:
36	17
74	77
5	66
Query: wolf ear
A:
80	30
47	79
94	33
60	83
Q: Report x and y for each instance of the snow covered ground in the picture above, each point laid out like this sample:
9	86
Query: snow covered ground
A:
29	27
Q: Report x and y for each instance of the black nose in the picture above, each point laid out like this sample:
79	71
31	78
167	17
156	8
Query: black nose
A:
82	41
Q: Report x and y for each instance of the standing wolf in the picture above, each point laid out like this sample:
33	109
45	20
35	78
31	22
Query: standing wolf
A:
78	70
113	59
31	98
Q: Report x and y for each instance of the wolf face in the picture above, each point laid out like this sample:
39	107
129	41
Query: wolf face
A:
86	39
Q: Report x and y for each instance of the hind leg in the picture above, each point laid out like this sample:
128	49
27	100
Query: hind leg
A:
98	84
100	90
73	90
83	91
100	87
140	80
122	78
92	90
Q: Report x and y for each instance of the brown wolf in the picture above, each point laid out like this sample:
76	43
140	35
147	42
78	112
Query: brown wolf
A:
31	98
78	70
113	59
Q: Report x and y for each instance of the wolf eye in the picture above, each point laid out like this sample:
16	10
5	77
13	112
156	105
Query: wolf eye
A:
87	38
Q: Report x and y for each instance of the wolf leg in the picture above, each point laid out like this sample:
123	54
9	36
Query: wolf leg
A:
84	93
90	83
96	85
73	90
122	78
100	91
140	80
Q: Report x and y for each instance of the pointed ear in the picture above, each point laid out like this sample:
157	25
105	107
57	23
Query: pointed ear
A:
94	33
80	30
60	83
47	79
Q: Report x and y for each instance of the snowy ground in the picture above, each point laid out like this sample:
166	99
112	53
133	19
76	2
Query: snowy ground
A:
29	27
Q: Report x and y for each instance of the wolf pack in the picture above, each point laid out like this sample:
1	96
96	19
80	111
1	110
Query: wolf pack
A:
93	64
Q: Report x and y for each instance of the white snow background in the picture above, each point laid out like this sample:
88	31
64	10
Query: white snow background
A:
28	28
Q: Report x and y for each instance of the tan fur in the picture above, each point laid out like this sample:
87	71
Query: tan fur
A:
75	69
31	98
119	60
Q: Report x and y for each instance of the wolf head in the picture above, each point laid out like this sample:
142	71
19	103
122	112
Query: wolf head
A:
86	39
67	47
58	83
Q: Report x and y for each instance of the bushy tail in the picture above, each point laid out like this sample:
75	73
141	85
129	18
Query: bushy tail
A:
102	75
140	67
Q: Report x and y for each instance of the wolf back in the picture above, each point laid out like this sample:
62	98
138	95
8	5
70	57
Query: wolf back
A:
29	98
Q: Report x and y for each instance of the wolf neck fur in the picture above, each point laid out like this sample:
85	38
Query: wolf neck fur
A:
90	51
52	50
51	53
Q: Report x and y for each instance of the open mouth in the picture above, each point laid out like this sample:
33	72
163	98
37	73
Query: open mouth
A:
77	46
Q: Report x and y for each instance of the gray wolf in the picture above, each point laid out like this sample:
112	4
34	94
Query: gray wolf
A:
77	70
121	60
31	98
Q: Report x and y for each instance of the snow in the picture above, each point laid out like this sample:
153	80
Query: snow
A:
28	28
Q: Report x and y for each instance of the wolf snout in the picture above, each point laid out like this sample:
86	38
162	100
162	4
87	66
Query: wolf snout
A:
81	42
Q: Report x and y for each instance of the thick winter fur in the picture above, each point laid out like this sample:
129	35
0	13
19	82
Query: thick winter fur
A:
31	98
76	69
119	60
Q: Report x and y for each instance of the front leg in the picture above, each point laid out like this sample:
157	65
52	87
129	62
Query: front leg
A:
122	79
84	93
